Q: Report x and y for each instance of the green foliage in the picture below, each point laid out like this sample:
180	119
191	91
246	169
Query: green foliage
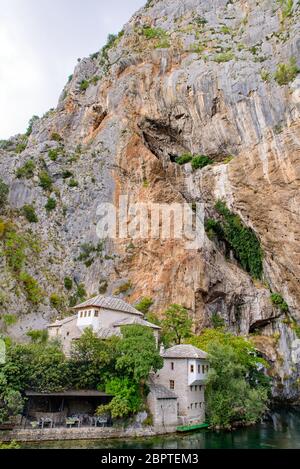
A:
38	336
229	396
32	289
124	288
177	324
265	75
223	57
217	321
184	159
73	183
56	137
84	84
68	283
226	30
92	360
241	239
11	402
200	162
30	214
21	146
79	296
54	153
4	191
279	302
45	180
26	171
56	301
137	353
89	253
50	205
14	250
30	125
127	398
6	145
286	9
236	390
285	73
9	320
144	305
154	33
11	445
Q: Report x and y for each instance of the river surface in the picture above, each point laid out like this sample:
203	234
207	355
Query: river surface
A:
280	430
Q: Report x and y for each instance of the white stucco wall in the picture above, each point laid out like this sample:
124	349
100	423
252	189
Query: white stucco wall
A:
191	399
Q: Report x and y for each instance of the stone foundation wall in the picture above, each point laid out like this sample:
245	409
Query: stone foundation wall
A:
53	434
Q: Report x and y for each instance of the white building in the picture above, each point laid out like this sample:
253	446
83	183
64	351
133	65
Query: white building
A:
105	315
183	376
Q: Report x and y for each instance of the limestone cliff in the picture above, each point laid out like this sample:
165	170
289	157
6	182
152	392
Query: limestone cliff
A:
216	78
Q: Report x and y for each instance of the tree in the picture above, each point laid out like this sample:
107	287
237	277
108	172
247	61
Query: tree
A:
144	305
137	353
92	360
177	324
237	390
127	398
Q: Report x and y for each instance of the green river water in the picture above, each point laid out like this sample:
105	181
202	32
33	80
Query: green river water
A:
280	430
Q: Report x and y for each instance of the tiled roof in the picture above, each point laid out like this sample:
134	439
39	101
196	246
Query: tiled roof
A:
106	333
135	320
161	392
184	351
63	321
109	302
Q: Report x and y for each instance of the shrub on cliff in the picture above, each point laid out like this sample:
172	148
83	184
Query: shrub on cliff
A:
285	73
30	214
4	191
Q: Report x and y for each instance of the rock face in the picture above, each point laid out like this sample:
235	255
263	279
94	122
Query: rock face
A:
187	76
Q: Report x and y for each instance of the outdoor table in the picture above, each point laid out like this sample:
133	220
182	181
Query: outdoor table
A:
70	422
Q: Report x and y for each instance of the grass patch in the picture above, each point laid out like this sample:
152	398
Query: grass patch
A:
45	180
30	214
184	159
279	302
26	171
223	57
200	161
50	205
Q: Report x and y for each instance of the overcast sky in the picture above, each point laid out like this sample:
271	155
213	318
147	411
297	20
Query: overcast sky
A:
40	41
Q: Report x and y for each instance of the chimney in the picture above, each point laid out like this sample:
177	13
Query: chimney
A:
162	349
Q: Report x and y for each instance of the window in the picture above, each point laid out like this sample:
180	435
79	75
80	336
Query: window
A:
196	388
172	384
196	405
199	368
203	369
192	368
85	314
96	313
207	368
191	406
172	365
200	404
200	388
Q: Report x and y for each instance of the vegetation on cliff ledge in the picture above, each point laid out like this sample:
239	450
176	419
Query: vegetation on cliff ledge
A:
239	238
